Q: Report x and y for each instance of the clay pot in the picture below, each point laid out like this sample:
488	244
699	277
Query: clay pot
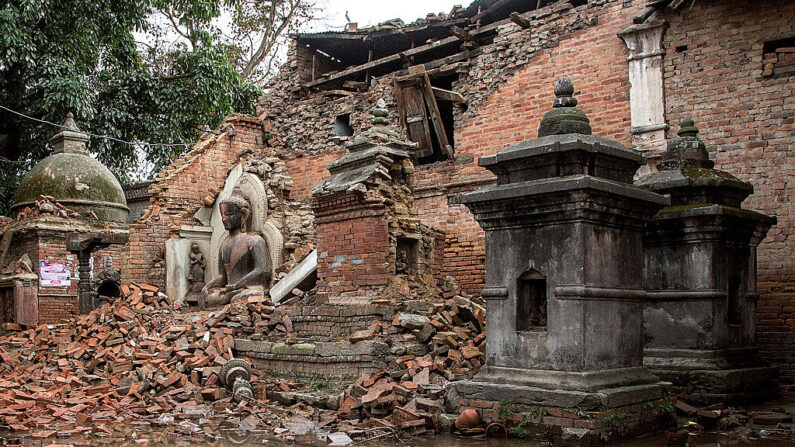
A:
468	418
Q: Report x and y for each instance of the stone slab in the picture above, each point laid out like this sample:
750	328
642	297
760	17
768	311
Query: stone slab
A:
297	275
177	267
588	381
604	399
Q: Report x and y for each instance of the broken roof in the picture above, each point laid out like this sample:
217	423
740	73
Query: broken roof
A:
358	54
392	36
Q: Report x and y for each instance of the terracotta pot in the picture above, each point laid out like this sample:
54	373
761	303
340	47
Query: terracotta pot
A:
468	418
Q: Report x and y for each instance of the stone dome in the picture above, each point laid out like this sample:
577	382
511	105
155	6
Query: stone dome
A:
74	179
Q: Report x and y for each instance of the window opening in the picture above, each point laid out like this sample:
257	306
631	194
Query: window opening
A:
778	57
342	125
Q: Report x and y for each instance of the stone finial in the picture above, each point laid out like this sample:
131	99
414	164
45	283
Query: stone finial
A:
70	138
564	89
380	113
69	123
687	127
564	118
686	150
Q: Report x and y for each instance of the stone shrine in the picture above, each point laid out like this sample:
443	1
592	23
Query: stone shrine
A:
564	282
700	275
370	241
71	222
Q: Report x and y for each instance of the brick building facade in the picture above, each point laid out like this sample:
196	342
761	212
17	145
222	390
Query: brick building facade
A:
726	63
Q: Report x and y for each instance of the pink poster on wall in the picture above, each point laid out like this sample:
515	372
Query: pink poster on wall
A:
54	274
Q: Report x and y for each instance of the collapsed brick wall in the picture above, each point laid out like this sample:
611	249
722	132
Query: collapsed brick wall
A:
178	192
194	181
507	89
713	71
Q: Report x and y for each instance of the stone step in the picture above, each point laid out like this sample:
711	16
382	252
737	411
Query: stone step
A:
330	320
333	360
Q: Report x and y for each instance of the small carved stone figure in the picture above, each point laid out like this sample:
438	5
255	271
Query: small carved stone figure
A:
243	260
197	266
401	261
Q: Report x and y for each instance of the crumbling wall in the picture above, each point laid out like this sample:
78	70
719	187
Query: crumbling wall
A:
194	181
507	88
294	219
714	71
181	188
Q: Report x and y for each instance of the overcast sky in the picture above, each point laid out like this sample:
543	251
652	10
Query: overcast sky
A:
369	12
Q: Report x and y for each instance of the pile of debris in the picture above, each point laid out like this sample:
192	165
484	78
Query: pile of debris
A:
143	361
408	396
47	205
768	422
138	359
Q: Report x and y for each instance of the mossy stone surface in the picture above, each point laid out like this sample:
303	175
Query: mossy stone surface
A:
78	182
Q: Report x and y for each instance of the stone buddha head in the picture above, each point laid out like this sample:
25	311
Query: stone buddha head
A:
235	211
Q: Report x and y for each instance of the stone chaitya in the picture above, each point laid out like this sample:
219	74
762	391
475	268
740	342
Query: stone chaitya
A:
564	281
71	215
700	275
370	241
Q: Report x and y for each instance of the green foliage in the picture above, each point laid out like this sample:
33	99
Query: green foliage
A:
323	386
82	56
530	416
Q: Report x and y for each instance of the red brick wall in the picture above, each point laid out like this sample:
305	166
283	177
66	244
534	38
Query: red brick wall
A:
595	60
307	172
354	247
56	303
178	192
746	120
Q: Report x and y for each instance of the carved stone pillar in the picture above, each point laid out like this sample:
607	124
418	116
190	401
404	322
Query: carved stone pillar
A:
646	97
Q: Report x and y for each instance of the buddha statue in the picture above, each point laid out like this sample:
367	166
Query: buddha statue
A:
243	260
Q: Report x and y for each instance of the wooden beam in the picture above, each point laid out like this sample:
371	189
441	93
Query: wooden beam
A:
336	93
448	95
395	58
355	85
462	34
384	61
519	20
643	15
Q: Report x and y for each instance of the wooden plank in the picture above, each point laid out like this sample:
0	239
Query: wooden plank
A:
462	34
408	53
448	95
413	115
384	61
436	117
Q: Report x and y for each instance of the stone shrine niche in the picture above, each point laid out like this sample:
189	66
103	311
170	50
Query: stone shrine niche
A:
531	304
407	254
253	190
181	272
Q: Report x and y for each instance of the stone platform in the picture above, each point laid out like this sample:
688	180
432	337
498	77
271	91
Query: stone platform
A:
705	377
330	359
331	320
318	345
573	417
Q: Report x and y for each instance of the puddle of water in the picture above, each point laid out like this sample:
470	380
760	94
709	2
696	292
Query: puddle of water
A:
265	438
